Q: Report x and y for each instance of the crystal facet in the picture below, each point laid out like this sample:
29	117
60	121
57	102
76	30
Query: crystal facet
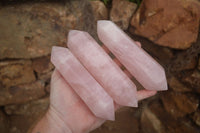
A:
90	91
140	64
102	67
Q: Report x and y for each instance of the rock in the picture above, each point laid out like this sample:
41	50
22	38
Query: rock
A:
193	79
22	117
99	10
151	123
178	104
16	72
155	119
196	117
4	125
121	12
46	78
29	30
28	108
168	23
22	93
126	122
177	86
42	64
199	64
184	63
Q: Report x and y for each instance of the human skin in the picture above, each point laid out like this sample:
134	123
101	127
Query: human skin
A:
67	113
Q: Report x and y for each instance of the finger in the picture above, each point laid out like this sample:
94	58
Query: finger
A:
117	62
105	49
138	43
128	73
143	94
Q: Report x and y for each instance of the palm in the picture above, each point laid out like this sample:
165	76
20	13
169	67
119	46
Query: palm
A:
71	109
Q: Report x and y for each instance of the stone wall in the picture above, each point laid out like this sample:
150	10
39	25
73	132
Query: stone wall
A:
168	30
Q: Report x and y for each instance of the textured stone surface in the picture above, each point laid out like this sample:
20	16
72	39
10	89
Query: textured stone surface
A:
193	79
23	116
15	72
29	30
92	93
155	119
121	12
199	64
196	117
177	86
22	93
126	122
171	23
188	63
116	83
137	61
151	123
4	125
42	65
178	104
99	10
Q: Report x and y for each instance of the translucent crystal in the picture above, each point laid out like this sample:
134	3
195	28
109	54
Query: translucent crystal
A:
102	67
89	90
139	63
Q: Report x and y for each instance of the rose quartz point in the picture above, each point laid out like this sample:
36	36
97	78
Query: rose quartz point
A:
140	64
102	67
89	90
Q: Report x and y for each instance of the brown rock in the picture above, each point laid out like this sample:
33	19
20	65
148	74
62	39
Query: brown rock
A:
171	23
126	122
178	104
177	86
42	64
196	117
190	64
99	10
22	93
30	30
16	72
121	12
46	78
155	119
4	125
199	64
193	79
151	123
28	108
184	63
23	116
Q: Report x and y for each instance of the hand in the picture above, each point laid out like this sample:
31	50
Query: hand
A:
67	113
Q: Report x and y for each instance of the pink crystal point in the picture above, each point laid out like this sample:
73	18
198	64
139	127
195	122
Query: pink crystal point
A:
140	64
94	96
102	67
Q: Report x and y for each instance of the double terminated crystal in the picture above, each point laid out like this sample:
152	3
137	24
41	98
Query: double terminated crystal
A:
102	67
99	102
89	70
140	64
